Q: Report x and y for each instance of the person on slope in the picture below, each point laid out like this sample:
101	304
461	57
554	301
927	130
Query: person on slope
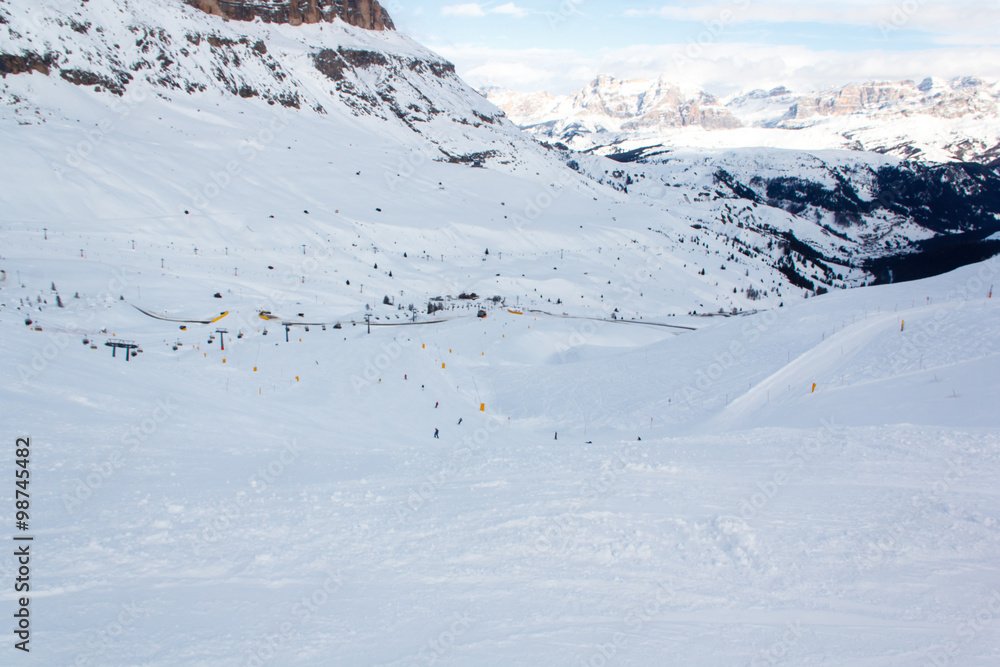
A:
437	434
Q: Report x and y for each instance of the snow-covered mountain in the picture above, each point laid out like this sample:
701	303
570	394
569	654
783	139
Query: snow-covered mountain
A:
612	105
171	50
931	120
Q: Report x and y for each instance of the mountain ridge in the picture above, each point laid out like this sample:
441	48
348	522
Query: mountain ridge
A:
367	14
933	120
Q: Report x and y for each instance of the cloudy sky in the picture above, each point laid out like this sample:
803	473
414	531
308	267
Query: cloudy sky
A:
719	45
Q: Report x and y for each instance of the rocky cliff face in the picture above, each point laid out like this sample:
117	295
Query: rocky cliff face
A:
366	14
959	98
608	104
164	49
934	120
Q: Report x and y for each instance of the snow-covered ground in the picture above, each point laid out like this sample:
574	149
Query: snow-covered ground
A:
287	503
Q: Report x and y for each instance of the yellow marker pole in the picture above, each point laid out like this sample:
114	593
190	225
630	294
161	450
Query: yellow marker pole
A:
482	407
814	388
442	365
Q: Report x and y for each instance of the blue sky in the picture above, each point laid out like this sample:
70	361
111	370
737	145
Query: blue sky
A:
719	45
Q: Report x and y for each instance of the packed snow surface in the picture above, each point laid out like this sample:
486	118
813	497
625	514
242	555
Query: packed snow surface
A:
630	493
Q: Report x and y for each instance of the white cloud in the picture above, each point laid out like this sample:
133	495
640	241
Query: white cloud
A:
511	9
525	70
721	69
465	10
475	9
935	16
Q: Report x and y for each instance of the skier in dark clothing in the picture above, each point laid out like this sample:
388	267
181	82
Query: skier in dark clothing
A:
459	421
436	435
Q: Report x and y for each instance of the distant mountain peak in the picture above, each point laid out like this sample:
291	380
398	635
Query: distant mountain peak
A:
936	119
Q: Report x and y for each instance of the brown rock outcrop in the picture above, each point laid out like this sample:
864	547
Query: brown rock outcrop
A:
366	14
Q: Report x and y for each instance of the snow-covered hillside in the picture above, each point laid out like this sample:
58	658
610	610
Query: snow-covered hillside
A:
933	120
632	491
168	50
651	449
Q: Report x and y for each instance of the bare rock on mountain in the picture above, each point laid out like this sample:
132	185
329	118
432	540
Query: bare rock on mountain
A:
366	14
